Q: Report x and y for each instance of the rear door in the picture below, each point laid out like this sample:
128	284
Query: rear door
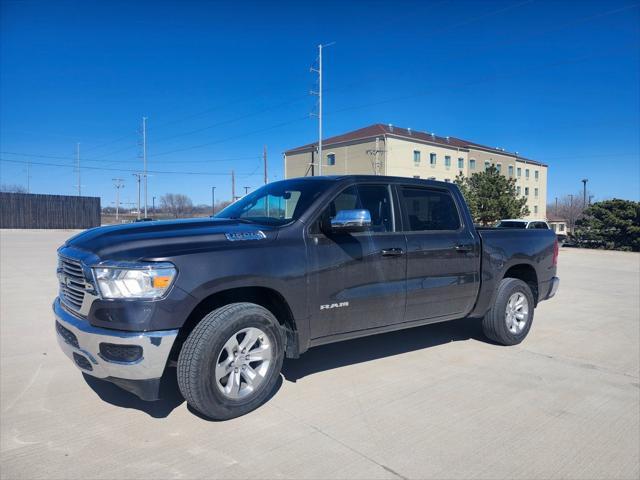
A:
357	280
443	254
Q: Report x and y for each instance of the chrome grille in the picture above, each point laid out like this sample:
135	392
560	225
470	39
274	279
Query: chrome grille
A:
72	282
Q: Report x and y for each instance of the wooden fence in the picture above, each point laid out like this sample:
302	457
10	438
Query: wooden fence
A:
29	210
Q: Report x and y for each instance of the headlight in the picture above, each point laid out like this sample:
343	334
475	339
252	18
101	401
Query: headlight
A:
136	280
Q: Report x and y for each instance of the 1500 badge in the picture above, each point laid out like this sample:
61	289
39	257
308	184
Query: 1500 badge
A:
329	306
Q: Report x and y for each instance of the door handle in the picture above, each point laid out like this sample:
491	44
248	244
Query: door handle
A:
392	252
464	248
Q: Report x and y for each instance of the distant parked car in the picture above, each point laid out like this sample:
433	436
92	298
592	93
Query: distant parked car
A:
517	223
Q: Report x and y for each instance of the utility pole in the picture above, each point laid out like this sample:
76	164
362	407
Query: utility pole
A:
153	209
246	190
319	94
118	184
584	192
556	210
213	201
78	167
138	178
571	211
264	158
233	186
144	159
29	176
375	157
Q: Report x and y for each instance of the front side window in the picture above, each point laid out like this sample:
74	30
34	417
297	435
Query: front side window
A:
526	191
447	161
519	172
416	158
276	203
526	173
472	164
499	167
429	209
561	227
331	159
518	190
374	198
511	170
432	158
487	165
535	209
536	175
535	192
461	163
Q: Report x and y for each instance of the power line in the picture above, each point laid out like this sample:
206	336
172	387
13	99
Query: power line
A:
111	169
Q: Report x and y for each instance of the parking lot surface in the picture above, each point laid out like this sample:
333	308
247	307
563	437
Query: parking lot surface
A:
431	402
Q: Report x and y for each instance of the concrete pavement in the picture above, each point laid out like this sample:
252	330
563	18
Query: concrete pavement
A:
431	402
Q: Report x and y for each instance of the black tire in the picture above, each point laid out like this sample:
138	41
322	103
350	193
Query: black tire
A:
494	323
200	352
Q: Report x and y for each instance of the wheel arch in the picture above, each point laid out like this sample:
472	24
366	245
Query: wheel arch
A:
527	273
266	297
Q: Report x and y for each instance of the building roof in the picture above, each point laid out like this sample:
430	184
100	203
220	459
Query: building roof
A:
379	129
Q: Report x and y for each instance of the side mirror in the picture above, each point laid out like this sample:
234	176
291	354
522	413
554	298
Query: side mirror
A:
351	221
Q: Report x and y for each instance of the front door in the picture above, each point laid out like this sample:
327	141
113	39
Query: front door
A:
357	280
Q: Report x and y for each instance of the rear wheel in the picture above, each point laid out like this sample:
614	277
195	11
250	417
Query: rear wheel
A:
230	363
509	319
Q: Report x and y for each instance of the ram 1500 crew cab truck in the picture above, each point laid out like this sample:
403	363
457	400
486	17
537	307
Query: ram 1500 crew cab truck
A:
296	263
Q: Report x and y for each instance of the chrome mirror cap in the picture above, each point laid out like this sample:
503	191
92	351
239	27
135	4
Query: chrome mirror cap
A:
351	220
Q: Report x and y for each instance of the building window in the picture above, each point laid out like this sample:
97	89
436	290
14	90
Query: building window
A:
472	164
535	192
331	159
519	172
499	167
535	209
561	227
416	158
536	174
487	165
526	173
460	162
518	190
416	176
511	170
526	191
447	161
432	158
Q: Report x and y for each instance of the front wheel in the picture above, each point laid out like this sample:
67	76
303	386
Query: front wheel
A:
231	361
509	319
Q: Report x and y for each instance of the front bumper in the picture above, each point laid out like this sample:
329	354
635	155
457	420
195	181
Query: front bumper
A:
87	346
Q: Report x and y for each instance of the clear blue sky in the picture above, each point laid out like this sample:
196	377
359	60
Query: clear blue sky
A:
557	81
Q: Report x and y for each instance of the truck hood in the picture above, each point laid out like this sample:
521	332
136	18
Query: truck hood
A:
164	239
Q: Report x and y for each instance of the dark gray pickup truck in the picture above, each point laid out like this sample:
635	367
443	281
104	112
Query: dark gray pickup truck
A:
295	264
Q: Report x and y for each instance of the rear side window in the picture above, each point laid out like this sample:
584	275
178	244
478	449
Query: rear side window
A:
375	198
427	210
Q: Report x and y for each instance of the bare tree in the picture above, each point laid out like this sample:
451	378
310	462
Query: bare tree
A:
569	208
176	204
12	188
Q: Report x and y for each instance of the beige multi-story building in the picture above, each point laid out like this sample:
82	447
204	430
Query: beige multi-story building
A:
388	150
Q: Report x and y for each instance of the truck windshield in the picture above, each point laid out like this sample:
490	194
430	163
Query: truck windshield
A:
511	224
277	203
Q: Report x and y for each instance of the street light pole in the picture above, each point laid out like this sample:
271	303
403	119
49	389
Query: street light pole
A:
213	201
584	192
